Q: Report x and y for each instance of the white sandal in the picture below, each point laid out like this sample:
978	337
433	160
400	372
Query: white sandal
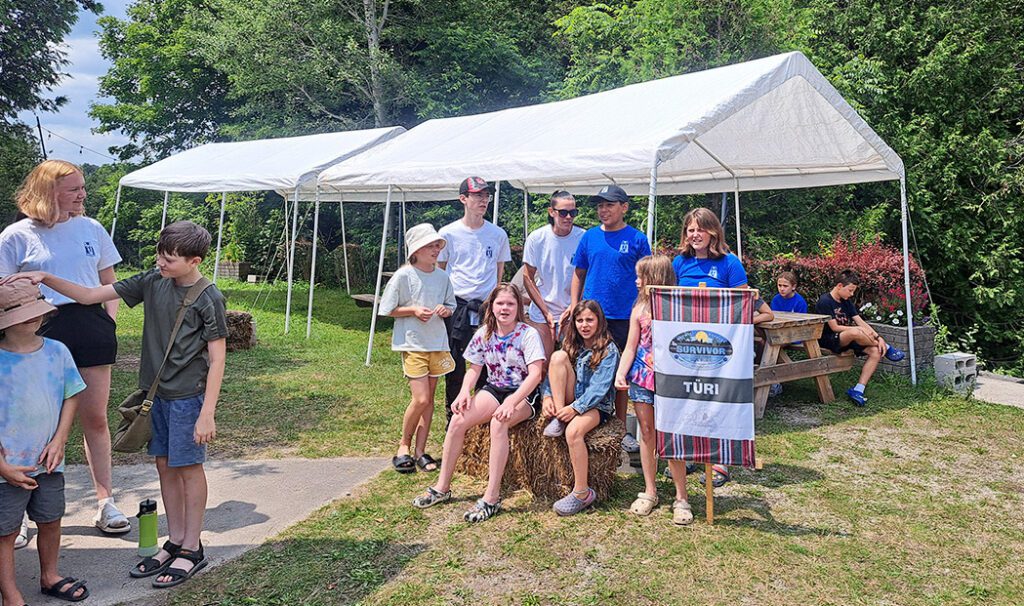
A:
22	539
644	504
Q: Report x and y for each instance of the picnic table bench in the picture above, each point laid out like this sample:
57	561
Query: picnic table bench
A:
786	330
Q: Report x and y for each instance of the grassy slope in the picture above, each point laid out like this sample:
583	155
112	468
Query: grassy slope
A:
914	500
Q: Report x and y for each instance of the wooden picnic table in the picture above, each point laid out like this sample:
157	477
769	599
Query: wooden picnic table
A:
776	366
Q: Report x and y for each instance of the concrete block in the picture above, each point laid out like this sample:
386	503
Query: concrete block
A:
957	371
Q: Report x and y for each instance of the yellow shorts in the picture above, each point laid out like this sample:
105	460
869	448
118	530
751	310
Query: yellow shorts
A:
417	364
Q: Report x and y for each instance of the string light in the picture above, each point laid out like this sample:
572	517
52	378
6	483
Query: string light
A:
81	148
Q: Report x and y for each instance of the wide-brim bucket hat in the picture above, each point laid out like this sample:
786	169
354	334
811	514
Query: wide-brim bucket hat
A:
419	236
21	301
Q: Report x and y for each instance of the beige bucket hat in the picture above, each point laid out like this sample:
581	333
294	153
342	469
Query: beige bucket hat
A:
419	236
20	301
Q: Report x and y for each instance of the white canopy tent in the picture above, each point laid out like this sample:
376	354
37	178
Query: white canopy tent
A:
282	165
772	123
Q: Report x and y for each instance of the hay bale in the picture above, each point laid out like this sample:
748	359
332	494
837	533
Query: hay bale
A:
241	330
541	465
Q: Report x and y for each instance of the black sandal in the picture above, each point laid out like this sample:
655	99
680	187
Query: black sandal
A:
179	576
67	594
425	461
151	565
403	464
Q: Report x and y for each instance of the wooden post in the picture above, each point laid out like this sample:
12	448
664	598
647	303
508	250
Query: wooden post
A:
709	494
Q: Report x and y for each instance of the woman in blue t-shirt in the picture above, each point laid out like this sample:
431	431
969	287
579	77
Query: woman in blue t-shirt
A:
704	258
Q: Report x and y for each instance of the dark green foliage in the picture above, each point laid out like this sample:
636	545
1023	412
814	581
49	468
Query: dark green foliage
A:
19	152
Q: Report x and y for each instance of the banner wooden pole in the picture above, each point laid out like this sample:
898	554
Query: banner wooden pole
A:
709	493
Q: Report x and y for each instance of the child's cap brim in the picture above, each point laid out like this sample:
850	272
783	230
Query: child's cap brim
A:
24	313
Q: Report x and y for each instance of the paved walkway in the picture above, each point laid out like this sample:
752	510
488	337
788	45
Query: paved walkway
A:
999	389
249	502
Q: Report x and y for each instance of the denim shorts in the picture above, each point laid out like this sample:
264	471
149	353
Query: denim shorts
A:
640	394
174	425
44	504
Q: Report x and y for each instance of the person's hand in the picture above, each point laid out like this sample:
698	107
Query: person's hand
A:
565	316
423	314
461	403
620	382
441	311
52	454
33	276
505	411
16	476
547	407
205	431
566	414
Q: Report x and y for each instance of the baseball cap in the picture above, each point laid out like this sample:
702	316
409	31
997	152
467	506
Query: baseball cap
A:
21	301
609	193
472	185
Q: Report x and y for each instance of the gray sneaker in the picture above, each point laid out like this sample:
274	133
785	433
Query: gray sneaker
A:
555	429
570	504
775	390
629	444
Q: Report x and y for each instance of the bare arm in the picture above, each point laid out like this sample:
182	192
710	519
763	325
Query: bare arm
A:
579	278
763	314
53	453
629	352
206	428
501	270
107	276
530	275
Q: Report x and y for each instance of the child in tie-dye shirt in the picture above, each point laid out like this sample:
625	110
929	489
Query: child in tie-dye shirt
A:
38	384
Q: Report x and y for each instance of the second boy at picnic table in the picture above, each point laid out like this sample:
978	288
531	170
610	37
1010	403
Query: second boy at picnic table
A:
186	399
847	331
605	263
788	298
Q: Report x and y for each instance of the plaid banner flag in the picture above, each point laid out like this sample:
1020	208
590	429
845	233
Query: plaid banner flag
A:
703	342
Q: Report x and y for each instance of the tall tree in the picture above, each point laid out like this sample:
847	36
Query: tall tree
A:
31	56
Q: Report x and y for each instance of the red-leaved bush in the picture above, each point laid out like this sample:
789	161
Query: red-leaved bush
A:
881	277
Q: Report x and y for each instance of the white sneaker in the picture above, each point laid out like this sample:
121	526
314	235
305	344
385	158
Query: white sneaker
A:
22	539
110	520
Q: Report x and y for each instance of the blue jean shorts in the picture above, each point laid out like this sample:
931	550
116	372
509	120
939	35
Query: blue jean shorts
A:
174	425
640	394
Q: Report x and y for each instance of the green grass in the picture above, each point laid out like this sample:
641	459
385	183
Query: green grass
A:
914	500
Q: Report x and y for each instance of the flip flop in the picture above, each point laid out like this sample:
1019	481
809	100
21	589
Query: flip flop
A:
425	461
403	464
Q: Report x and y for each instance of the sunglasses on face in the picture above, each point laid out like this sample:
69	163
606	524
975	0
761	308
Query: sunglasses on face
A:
567	213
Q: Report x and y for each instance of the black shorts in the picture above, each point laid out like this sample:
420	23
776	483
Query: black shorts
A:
87	331
500	393
620	332
832	344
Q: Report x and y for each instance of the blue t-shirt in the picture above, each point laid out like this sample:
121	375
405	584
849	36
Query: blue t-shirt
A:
726	272
33	387
795	304
609	258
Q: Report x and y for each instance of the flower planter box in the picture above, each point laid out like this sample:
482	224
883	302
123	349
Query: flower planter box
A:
924	347
236	270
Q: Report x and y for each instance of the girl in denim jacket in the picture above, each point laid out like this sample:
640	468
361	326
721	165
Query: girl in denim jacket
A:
581	375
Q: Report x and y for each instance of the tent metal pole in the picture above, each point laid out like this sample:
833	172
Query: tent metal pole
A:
725	208
497	197
163	217
739	237
906	279
380	274
291	261
526	214
312	263
220	234
344	246
117	206
401	234
651	197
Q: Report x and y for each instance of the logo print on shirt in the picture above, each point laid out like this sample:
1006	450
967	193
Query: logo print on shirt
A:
713	273
89	250
489	252
624	247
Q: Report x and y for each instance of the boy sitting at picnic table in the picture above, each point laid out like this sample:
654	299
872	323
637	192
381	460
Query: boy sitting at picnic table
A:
847	331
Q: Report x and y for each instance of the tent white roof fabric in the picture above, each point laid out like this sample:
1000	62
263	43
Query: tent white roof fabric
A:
266	164
774	123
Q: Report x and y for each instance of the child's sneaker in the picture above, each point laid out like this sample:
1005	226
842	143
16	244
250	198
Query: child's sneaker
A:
894	354
555	429
570	504
629	444
857	396
775	390
110	520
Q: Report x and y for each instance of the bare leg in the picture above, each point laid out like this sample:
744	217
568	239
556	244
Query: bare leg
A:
678	468
92	414
48	544
498	455
421	398
578	429
193	482
426	418
873	349
172	492
562	378
8	581
621	401
648	446
479	412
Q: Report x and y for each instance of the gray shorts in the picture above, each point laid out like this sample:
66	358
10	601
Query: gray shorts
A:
44	504
174	426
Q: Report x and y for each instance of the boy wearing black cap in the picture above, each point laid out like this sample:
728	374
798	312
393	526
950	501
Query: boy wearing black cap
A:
605	264
474	258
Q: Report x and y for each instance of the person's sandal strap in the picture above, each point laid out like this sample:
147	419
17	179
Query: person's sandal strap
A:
424	461
152	566
70	585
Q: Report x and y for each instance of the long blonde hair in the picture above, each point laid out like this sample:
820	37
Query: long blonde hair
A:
37	196
572	342
653	270
491	322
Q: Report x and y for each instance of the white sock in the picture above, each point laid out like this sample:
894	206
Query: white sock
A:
859	387
102	502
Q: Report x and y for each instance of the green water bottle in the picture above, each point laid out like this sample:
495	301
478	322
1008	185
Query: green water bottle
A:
147	528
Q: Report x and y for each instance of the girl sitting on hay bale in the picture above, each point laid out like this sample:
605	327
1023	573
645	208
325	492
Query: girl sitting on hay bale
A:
514	355
636	374
581	376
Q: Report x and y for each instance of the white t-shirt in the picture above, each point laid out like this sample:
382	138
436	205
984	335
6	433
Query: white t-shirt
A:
410	286
75	250
472	256
552	255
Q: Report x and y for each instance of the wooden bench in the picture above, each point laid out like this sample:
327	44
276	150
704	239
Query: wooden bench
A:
364	300
541	465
